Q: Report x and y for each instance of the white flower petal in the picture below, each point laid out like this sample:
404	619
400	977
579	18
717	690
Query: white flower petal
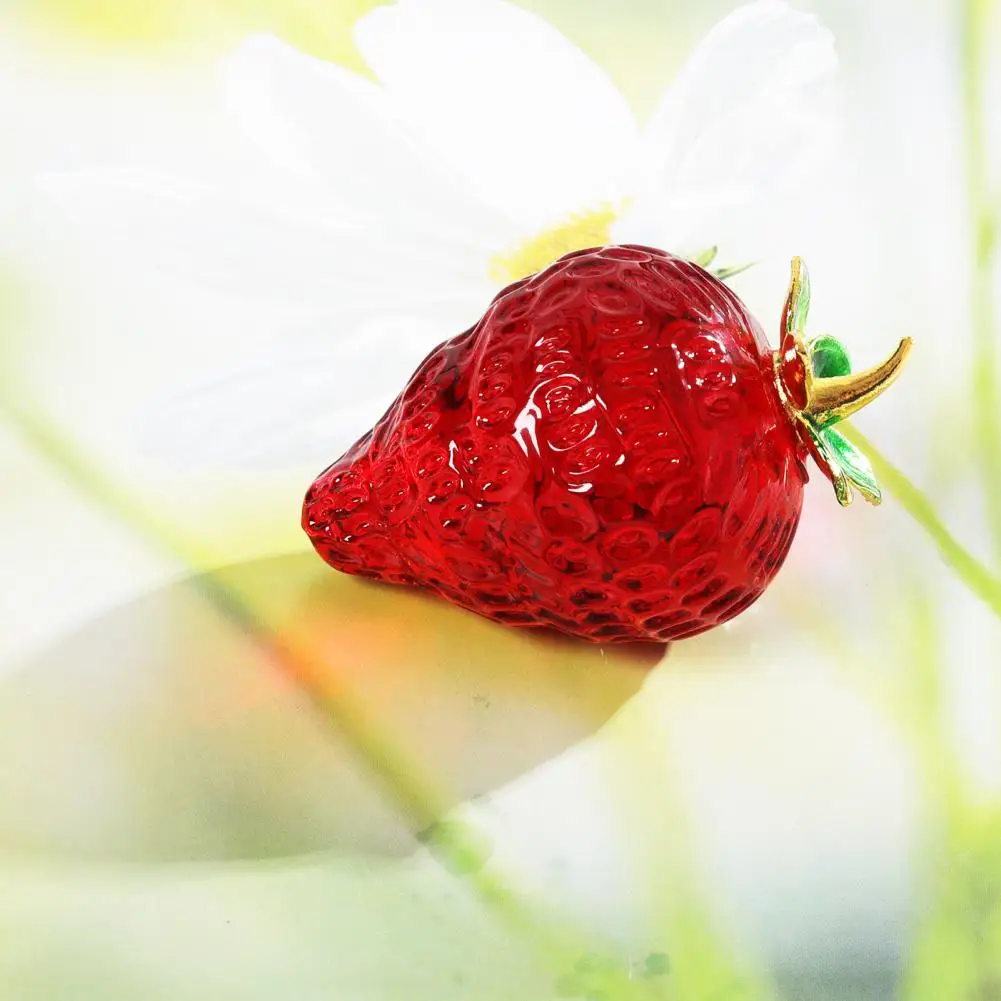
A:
293	407
533	123
752	110
329	125
326	264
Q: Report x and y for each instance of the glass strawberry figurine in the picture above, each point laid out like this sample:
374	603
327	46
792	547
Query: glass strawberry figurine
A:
613	451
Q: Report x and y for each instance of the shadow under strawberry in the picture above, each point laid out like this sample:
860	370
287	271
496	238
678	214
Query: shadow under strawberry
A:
165	730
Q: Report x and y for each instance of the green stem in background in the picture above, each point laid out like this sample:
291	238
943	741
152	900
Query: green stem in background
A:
291	654
983	226
967	567
458	846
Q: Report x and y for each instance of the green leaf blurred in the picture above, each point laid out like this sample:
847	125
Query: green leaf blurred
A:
323	29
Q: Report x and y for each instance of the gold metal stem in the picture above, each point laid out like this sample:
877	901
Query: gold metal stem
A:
844	395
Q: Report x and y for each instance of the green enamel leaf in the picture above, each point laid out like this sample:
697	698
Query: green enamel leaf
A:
723	273
705	257
853	464
842	487
829	357
797	306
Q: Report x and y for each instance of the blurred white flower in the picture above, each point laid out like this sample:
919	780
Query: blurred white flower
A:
490	146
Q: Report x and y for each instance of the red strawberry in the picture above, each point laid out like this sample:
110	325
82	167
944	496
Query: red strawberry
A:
613	451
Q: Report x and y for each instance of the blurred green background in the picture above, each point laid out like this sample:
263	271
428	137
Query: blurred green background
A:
230	783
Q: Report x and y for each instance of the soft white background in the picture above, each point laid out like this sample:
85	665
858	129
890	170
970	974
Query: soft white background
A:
805	801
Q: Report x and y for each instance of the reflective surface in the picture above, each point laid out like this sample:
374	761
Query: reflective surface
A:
162	731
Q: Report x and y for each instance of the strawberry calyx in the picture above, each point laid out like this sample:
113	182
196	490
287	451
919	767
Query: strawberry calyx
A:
817	385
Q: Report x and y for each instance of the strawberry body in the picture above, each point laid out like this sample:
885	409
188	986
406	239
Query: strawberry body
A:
605	453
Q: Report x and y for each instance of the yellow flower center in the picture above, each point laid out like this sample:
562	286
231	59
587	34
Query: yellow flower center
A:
592	228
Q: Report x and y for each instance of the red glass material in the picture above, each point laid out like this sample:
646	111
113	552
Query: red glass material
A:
605	453
793	372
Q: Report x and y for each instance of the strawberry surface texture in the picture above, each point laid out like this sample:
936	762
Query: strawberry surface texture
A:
605	453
